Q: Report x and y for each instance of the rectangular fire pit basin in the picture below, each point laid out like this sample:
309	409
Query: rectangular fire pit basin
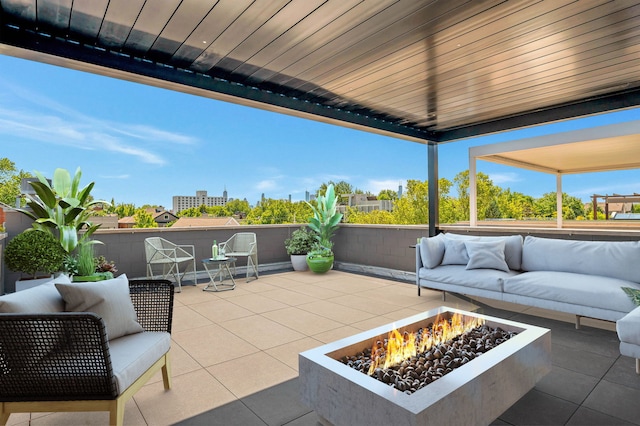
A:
475	393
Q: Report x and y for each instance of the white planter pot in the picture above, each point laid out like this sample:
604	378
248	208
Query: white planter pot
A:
25	284
299	262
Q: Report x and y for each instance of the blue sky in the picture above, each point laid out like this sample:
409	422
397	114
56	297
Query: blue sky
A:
142	145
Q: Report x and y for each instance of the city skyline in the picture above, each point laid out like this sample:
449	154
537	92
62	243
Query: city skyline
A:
144	145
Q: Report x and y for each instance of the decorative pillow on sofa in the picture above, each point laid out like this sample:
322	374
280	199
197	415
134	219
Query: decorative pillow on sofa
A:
455	253
432	250
109	299
512	246
486	255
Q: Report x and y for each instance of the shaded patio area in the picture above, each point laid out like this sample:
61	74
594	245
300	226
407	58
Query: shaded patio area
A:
235	362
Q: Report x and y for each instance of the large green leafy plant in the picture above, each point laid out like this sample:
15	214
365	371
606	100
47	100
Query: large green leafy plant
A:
62	208
325	220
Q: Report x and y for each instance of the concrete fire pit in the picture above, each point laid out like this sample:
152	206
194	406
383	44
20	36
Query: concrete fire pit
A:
474	393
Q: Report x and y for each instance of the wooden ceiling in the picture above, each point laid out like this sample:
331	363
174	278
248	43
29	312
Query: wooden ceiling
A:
419	70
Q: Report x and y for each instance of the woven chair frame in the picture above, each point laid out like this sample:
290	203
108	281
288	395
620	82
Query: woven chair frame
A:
65	356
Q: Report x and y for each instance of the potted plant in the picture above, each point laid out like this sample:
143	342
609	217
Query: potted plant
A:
90	268
62	208
324	223
34	252
298	245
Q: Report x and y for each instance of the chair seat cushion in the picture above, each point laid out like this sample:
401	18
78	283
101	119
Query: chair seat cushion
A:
133	354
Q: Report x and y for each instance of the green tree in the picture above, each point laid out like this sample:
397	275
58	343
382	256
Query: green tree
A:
143	219
10	178
217	211
413	207
374	217
588	214
515	205
190	212
239	207
388	194
545	207
300	212
341	188
122	209
486	193
270	211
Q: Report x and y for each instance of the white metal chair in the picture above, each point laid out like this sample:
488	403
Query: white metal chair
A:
169	255
243	244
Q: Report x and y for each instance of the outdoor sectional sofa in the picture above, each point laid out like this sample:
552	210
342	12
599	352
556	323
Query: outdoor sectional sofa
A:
584	278
83	346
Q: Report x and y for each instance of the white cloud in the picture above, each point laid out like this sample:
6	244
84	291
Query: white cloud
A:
502	178
125	176
375	186
267	185
44	120
616	188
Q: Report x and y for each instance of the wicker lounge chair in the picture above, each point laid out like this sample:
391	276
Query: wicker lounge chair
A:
64	361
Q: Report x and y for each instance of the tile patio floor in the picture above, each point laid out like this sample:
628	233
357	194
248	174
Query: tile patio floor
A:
234	354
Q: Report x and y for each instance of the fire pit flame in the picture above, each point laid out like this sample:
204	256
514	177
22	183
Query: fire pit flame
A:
402	346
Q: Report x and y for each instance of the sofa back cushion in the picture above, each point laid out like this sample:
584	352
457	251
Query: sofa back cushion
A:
615	259
512	246
40	299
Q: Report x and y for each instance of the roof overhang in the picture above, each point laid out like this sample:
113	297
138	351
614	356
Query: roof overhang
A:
596	149
426	71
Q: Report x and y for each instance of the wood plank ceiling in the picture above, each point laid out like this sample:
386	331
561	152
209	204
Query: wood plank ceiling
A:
420	70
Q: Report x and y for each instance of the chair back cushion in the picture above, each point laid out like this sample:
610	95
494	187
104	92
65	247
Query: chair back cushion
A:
109	299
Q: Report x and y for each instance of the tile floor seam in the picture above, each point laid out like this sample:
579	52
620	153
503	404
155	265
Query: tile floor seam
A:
367	314
264	318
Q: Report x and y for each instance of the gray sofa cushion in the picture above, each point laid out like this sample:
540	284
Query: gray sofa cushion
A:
488	279
585	290
512	247
619	259
133	354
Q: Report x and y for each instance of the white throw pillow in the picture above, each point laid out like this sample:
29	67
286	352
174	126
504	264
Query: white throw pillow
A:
486	255
109	299
455	253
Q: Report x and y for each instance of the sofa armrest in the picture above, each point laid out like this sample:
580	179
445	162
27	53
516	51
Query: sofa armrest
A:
628	327
57	356
153	302
418	264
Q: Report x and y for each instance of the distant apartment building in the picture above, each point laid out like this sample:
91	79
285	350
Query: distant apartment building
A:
365	203
183	202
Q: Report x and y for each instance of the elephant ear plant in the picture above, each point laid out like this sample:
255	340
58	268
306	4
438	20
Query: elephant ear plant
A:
325	219
62	208
324	223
